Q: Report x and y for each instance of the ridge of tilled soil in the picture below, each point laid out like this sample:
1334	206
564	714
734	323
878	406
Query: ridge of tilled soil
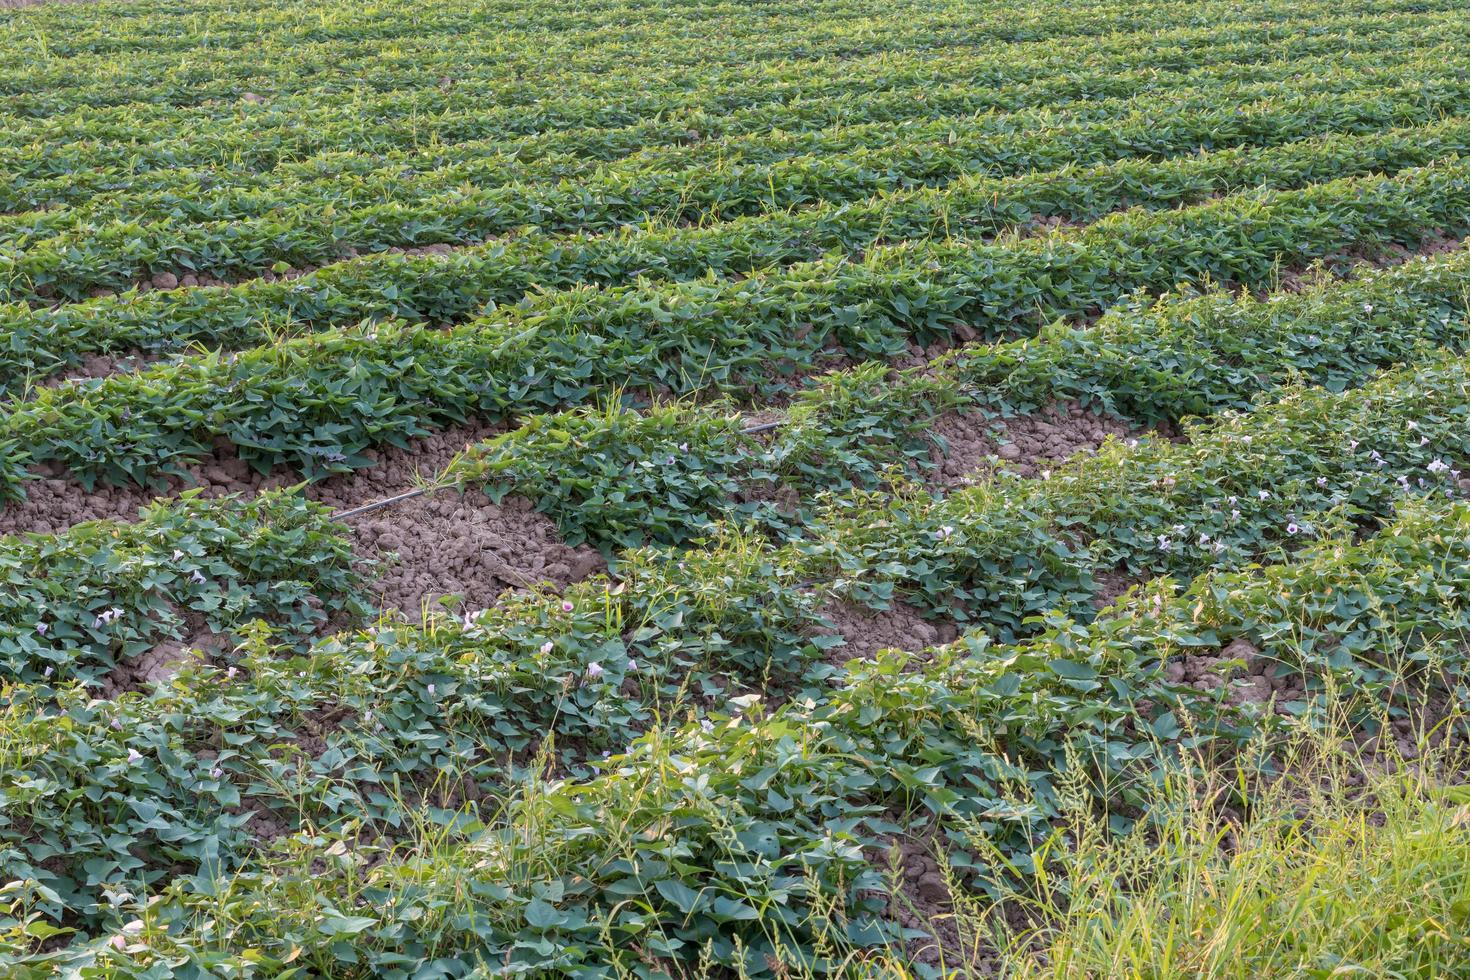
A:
980	443
922	902
438	544
866	631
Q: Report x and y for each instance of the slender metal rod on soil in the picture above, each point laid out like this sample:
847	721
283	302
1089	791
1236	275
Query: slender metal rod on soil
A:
343	515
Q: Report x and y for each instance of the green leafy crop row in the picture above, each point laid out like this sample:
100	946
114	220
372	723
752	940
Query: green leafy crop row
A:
577	82
318	402
183	163
1246	488
721	839
735	615
64	252
40	342
345	180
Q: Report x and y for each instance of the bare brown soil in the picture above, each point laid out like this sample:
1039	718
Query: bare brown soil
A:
921	902
976	443
452	544
865	632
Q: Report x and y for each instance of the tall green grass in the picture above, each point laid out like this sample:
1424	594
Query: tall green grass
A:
1344	864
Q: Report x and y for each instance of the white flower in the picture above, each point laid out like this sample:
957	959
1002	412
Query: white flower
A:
134	755
1164	543
707	725
943	533
594	670
1367	307
632	664
430	689
1235	515
1321	481
1264	494
547	647
1292	528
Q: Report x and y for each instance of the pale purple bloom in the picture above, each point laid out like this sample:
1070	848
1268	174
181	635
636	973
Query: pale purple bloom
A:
216	772
1438	466
196	577
632	664
567	606
1292	528
1164	543
41	628
547	647
1321	481
134	755
1264	494
430	689
943	533
594	670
